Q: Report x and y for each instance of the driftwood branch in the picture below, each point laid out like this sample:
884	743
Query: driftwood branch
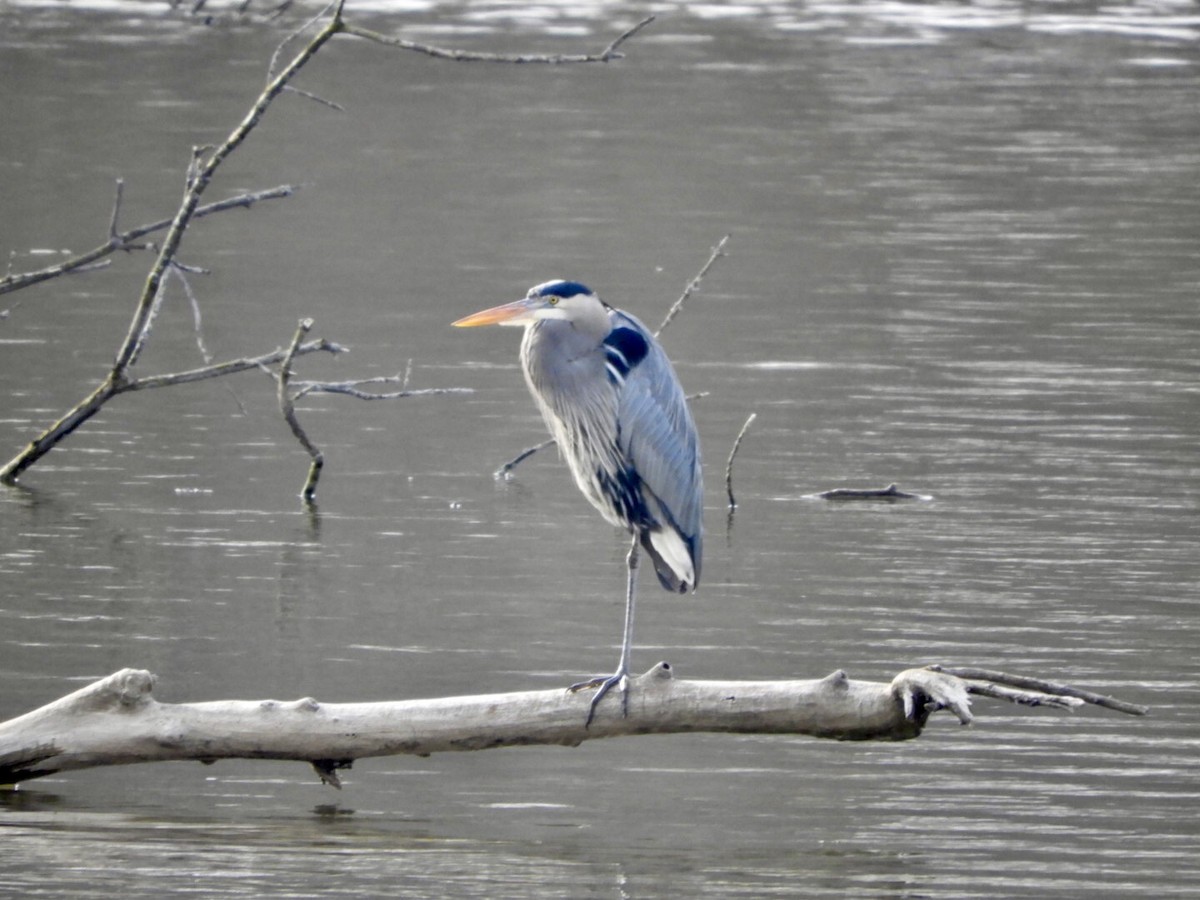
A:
1034	691
116	720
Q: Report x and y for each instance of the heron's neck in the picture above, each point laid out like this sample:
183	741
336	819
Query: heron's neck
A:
592	322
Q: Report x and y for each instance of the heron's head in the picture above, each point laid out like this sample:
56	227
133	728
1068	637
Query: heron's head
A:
568	300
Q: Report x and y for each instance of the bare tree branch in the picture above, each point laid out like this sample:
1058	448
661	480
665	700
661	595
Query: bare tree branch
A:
608	54
128	240
287	401
288	408
717	252
230	367
729	465
200	173
93	402
353	389
203	167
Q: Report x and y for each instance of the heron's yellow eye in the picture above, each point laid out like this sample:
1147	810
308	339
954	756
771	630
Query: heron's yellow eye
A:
553	301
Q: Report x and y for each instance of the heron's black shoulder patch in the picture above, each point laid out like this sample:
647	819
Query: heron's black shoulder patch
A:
624	349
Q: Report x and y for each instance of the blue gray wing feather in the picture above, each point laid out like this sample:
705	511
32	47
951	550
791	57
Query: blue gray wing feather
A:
657	436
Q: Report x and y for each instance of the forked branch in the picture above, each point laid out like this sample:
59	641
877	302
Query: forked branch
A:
287	401
130	239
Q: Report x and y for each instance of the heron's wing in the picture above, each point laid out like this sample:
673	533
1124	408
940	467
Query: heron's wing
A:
657	435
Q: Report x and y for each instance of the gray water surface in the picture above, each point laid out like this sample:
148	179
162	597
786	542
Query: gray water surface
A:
963	258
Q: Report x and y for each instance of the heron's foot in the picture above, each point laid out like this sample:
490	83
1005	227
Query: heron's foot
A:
602	684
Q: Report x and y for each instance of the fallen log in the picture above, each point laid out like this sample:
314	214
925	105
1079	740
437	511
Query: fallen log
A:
117	720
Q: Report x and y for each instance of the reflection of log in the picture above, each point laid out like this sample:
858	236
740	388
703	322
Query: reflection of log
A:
116	721
891	492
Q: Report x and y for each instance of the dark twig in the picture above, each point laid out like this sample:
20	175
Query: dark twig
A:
315	98
506	470
229	367
290	391
608	54
729	465
288	408
309	23
128	240
180	271
116	210
717	252
352	389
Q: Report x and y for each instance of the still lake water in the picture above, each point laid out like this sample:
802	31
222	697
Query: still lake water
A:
964	257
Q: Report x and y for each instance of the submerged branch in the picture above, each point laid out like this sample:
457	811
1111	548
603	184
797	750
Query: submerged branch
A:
891	492
506	470
288	408
737	443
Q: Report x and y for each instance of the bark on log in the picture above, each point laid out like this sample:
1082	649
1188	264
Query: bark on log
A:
117	721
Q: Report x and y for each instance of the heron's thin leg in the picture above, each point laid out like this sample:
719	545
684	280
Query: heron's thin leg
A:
620	678
631	562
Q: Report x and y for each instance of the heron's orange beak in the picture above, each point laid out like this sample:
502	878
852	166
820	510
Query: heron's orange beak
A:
515	313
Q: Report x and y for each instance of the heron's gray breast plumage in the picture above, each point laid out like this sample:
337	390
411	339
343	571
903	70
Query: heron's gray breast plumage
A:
612	402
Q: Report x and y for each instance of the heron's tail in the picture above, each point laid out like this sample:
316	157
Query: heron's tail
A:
676	558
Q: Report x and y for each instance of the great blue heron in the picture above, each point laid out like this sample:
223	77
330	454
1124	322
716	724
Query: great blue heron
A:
612	402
